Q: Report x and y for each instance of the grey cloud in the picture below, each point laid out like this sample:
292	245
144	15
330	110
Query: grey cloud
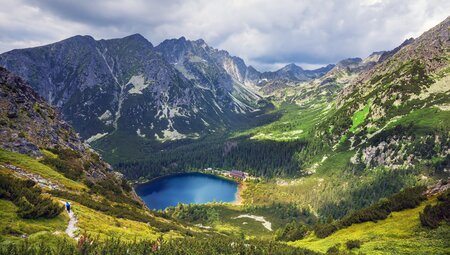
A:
264	33
109	13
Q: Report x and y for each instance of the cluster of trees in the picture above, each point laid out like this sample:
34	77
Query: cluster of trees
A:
287	212
352	244
261	158
424	143
193	213
70	171
297	219
337	124
433	215
103	205
291	232
406	199
66	163
28	197
71	164
441	165
360	195
113	189
213	244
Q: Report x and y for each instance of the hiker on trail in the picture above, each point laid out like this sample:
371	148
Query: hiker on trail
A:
68	207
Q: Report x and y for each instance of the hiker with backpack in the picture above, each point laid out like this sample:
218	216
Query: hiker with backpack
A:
68	207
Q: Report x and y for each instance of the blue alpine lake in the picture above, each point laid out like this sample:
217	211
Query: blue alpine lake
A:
196	188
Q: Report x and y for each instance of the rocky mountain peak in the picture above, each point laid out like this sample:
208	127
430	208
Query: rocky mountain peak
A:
136	38
326	68
80	39
291	68
200	42
349	62
387	54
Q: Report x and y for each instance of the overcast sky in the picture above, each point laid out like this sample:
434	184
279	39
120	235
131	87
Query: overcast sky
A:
266	34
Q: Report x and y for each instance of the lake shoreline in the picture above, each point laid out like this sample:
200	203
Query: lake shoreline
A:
189	188
241	188
135	183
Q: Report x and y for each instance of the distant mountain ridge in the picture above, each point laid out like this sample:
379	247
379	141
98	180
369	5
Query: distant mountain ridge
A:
125	84
293	72
185	55
176	90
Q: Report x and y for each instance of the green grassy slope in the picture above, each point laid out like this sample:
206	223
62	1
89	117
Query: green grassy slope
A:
91	221
400	233
296	122
359	117
34	166
13	227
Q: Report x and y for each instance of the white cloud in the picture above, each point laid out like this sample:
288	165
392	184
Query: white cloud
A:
264	33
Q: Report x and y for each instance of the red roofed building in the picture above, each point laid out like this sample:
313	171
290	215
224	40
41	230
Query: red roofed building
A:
237	174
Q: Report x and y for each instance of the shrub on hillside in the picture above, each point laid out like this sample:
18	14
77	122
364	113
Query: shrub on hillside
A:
125	185
406	199
324	230
433	215
287	212
68	168
333	250
27	196
65	154
351	244
291	232
194	213
112	189
68	162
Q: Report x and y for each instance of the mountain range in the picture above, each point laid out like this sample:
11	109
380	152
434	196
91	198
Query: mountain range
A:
351	157
179	89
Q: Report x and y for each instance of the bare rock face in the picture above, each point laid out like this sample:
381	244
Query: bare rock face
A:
438	188
26	120
28	124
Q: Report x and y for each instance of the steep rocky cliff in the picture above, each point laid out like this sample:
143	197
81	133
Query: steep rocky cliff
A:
29	125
